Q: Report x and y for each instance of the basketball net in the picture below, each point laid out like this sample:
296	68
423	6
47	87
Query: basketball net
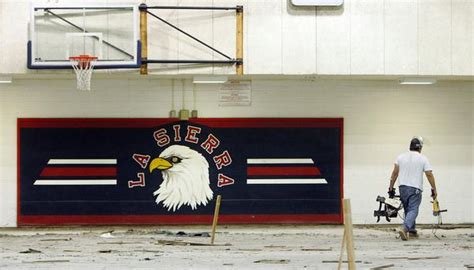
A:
83	65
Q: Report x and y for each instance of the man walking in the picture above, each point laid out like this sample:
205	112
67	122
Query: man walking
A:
409	168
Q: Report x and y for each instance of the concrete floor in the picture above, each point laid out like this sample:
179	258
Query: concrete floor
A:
236	247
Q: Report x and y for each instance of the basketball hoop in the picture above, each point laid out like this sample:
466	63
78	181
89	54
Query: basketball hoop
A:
83	66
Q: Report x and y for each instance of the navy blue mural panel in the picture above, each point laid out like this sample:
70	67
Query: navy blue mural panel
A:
163	171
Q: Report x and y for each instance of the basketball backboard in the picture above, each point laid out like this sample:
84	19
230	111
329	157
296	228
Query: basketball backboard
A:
109	33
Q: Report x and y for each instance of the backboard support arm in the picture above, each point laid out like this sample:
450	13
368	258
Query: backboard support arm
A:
144	9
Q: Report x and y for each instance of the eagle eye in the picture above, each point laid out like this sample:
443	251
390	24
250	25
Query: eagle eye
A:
175	160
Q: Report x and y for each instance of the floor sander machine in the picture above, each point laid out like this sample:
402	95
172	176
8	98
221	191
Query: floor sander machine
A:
389	208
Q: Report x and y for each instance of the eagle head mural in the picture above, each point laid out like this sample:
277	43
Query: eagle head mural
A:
185	178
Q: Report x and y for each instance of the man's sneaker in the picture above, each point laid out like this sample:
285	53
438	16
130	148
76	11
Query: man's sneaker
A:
403	234
413	235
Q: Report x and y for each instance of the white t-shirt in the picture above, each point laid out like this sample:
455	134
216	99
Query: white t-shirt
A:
412	165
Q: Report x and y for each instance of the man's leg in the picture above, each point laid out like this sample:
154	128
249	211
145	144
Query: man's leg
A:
411	213
411	199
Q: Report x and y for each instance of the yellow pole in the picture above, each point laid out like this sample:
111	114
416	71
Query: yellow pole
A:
342	251
239	68
216	216
348	234
144	38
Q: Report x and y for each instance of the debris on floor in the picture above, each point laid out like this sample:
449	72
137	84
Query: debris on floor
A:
105	251
183	243
107	235
249	247
118	243
413	258
316	249
30	250
148	250
183	233
382	266
71	250
336	261
56	239
172	243
47	261
272	261
199	234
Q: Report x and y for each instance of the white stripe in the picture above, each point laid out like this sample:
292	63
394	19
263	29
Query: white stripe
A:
280	161
287	181
82	161
77	182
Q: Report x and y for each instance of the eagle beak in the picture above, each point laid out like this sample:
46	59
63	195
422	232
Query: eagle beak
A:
160	164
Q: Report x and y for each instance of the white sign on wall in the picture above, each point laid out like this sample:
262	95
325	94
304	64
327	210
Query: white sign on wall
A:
235	93
317	2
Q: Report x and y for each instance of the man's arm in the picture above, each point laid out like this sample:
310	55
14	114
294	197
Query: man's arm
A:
431	179
394	176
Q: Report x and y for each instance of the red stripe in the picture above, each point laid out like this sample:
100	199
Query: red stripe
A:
94	122
309	171
341	168
268	122
176	219
157	122
79	171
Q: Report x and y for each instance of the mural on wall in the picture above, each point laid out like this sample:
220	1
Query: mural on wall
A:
148	171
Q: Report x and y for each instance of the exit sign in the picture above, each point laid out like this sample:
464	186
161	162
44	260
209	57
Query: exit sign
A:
317	2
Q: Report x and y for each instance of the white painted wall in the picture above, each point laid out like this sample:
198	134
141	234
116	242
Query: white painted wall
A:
364	37
387	37
380	118
472	152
